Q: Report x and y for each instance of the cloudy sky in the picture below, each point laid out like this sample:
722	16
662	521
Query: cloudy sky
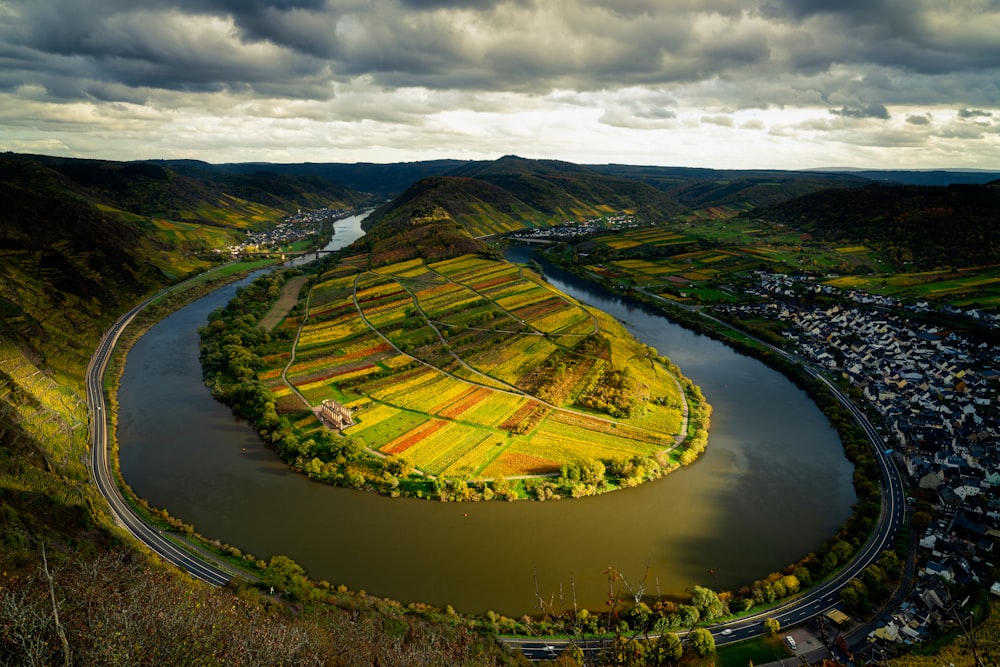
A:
716	83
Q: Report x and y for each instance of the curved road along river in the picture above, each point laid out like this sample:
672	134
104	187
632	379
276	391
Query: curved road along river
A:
100	467
817	601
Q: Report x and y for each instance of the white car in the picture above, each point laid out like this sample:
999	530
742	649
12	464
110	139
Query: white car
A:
727	631
790	642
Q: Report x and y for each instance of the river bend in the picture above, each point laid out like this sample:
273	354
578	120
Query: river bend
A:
772	485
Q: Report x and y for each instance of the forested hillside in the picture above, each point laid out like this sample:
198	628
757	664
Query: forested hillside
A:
381	180
731	189
149	189
512	193
915	227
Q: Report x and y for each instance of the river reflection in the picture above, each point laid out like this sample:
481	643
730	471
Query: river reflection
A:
772	486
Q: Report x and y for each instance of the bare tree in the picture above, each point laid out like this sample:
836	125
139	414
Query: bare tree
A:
25	626
67	657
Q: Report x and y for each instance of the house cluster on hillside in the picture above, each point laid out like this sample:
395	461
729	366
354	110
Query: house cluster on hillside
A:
293	228
952	550
936	392
570	229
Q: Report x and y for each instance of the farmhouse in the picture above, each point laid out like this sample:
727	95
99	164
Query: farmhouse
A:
335	414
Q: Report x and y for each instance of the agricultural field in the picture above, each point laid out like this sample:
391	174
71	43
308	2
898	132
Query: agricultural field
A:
190	234
643	236
643	258
963	288
686	276
472	369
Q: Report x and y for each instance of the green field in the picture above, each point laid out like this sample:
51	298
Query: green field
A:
966	287
642	258
474	368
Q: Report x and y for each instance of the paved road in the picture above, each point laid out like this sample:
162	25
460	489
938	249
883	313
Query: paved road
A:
103	476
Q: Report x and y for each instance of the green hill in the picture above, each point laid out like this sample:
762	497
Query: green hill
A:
917	227
203	196
513	193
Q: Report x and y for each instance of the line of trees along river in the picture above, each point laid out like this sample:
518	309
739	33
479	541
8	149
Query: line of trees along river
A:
772	486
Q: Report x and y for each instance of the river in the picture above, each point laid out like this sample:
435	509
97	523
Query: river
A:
772	485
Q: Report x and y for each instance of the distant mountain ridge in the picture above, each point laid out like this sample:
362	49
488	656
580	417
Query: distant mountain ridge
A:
380	180
920	176
736	189
693	187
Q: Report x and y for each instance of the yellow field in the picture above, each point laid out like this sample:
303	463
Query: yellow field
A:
376	413
469	420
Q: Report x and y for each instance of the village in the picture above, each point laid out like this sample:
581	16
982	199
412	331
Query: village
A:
570	229
935	392
295	227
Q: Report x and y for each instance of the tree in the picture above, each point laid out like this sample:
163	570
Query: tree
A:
872	577
397	466
771	626
843	550
639	617
854	593
701	642
285	573
791	583
664	649
593	472
689	615
830	562
889	562
708	603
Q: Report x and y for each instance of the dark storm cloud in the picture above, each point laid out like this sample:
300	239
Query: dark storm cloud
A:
870	111
455	4
973	113
303	48
855	10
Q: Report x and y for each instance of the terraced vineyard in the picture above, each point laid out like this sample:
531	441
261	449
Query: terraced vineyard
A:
472	368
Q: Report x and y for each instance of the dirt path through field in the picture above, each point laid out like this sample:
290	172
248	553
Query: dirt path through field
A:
288	298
